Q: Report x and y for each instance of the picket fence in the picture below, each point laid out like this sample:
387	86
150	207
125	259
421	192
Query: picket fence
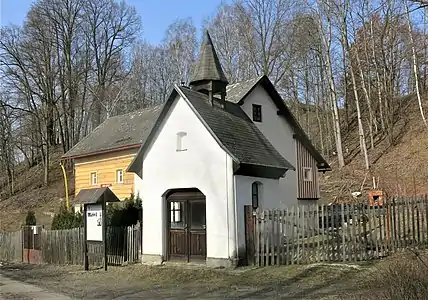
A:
334	233
67	246
11	246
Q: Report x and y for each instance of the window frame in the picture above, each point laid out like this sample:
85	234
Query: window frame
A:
91	178
174	209
256	188
179	141
310	173
257	113
122	175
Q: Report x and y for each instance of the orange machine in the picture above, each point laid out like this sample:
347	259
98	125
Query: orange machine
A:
376	198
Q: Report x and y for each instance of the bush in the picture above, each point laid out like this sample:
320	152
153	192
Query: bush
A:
30	219
404	278
67	219
126	213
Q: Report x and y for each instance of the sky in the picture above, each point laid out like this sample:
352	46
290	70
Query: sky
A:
156	14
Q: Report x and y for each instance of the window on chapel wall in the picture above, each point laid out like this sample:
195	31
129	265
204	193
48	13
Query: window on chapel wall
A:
176	215
257	113
255	194
180	141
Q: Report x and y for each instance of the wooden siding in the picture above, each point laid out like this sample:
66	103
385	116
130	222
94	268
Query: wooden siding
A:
306	189
106	166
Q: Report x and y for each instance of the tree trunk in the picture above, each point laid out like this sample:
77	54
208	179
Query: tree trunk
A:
415	66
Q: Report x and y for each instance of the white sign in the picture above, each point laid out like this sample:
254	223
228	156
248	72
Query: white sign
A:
94	222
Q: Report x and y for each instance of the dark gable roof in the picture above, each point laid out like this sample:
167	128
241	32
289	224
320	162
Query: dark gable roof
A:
208	66
233	130
237	92
119	132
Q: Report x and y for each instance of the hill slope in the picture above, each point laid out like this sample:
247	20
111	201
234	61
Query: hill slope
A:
401	169
30	194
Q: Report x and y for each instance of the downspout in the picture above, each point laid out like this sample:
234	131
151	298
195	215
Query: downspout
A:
65	183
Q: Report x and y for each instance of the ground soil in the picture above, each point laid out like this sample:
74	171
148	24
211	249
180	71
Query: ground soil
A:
191	282
370	280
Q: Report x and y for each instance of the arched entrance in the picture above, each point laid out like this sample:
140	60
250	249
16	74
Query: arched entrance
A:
186	225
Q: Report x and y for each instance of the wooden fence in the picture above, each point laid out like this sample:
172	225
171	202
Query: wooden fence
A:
11	246
333	233
66	246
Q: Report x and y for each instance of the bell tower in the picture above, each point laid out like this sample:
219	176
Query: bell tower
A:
208	77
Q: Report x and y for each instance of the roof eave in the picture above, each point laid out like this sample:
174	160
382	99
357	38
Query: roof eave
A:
117	149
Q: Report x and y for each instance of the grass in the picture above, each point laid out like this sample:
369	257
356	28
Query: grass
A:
382	279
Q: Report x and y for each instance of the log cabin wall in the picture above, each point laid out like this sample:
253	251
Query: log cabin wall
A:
307	174
106	167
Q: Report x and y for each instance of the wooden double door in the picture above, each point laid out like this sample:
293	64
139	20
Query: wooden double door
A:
186	230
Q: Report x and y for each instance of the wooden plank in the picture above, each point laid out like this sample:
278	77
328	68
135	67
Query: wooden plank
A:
287	236
293	246
412	220
280	245
268	234
317	232
418	223
257	238
262	239
323	225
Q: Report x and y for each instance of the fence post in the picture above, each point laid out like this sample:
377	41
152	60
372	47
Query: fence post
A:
249	234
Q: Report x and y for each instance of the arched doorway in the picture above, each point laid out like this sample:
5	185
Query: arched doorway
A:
186	225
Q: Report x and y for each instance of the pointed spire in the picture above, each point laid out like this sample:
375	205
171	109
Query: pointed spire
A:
208	67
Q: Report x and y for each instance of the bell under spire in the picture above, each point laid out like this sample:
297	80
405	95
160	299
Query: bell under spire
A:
208	76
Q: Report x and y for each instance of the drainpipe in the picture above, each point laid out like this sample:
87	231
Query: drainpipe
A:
65	183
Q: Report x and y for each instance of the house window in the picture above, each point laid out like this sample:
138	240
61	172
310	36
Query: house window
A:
119	176
307	174
257	113
255	194
176	215
94	178
180	142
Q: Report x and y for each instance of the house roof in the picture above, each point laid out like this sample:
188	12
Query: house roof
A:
95	195
233	130
208	66
236	93
117	133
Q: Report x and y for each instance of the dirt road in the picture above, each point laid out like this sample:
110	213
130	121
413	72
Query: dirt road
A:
191	282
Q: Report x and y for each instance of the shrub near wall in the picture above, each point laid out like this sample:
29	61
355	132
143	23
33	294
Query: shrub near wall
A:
66	219
126	213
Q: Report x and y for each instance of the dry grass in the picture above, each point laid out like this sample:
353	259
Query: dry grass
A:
404	276
31	194
402	169
400	276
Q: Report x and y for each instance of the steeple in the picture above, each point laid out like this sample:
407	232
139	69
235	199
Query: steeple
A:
208	76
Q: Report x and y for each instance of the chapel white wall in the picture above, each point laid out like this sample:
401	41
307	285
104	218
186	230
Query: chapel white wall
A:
270	194
205	165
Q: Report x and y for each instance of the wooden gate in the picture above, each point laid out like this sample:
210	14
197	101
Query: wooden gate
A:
186	230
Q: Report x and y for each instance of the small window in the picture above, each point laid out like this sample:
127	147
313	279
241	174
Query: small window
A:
307	174
176	215
180	141
119	176
257	113
255	194
94	178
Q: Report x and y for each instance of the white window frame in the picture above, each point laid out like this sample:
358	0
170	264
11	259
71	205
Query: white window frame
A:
310	177
121	175
180	137
91	178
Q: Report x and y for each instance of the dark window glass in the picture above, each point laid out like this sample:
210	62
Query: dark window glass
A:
257	113
255	194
